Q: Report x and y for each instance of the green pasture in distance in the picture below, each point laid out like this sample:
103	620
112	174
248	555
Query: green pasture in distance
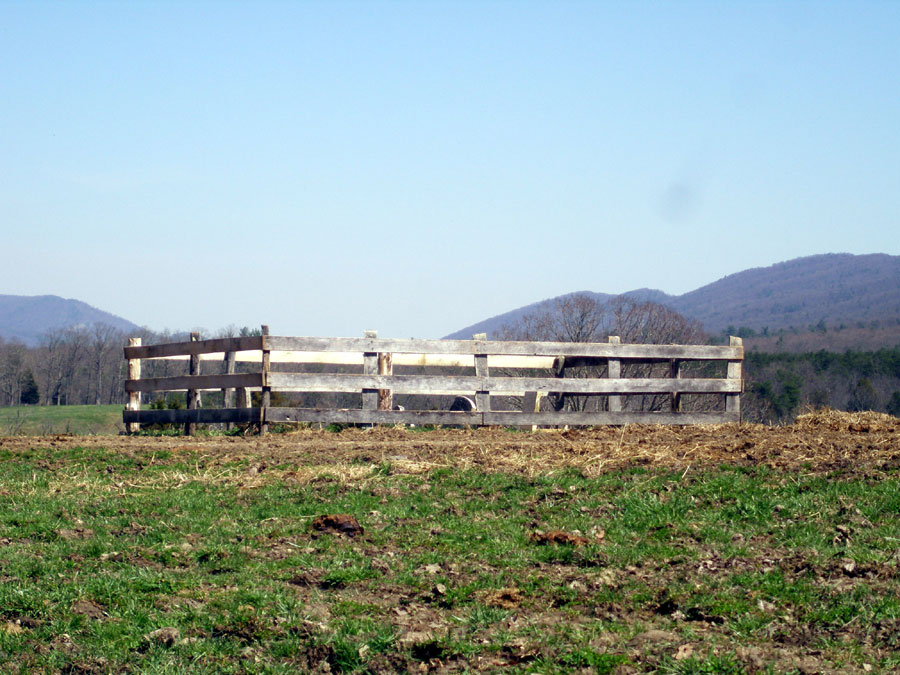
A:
33	420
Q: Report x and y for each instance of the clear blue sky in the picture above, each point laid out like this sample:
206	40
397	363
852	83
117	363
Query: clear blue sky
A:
414	167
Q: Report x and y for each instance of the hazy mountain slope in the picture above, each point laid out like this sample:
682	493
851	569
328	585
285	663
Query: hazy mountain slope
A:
27	318
492	325
836	287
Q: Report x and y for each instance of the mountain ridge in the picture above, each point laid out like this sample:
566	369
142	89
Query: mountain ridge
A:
26	318
830	288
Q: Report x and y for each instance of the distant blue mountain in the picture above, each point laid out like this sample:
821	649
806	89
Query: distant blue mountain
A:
835	288
26	318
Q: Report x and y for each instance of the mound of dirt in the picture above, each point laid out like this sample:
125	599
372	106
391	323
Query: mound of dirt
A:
837	420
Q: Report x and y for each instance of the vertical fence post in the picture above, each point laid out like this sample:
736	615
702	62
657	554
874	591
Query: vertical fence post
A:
482	398
370	367
733	401
266	394
228	392
193	396
385	367
676	375
614	372
134	397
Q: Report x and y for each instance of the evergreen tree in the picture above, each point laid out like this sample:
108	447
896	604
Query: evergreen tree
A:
30	394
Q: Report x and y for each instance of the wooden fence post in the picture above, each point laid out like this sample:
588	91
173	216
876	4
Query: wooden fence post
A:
733	401
482	398
614	372
676	396
370	367
385	367
266	394
228	393
193	396
134	397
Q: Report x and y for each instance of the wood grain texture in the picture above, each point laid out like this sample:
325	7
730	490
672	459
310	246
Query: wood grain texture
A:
220	345
433	384
414	346
199	416
614	372
134	397
733	401
195	382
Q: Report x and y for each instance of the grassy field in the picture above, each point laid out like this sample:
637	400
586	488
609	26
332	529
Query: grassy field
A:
66	419
734	550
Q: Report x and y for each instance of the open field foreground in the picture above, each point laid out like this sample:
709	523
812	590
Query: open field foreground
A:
700	549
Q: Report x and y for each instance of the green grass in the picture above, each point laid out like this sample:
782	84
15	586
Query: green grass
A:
725	561
66	419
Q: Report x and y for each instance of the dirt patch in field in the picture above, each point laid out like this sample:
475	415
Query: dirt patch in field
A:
819	442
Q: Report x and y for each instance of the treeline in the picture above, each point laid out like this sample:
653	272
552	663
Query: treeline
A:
78	366
779	385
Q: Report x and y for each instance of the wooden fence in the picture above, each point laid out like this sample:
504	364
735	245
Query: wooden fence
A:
493	371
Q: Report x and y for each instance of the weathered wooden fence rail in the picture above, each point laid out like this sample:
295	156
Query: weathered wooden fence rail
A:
495	370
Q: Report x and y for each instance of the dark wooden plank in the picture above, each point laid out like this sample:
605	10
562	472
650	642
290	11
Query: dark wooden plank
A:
232	344
356	416
184	382
605	418
266	394
193	396
415	346
199	416
228	392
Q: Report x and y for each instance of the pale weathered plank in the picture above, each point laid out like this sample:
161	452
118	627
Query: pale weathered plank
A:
415	346
134	373
370	367
614	372
733	401
432	384
482	395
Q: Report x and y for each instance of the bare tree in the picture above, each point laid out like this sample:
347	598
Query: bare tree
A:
582	318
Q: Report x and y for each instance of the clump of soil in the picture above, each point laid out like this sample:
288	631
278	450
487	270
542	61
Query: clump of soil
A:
338	523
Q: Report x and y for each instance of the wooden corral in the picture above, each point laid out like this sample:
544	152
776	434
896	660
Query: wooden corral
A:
494	371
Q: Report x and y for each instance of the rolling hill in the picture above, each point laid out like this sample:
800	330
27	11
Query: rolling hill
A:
830	289
27	318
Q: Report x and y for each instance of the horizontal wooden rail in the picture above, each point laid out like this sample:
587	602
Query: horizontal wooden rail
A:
216	345
553	349
354	416
428	384
197	416
185	382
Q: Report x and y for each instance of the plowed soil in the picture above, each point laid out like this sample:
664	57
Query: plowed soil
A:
819	442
